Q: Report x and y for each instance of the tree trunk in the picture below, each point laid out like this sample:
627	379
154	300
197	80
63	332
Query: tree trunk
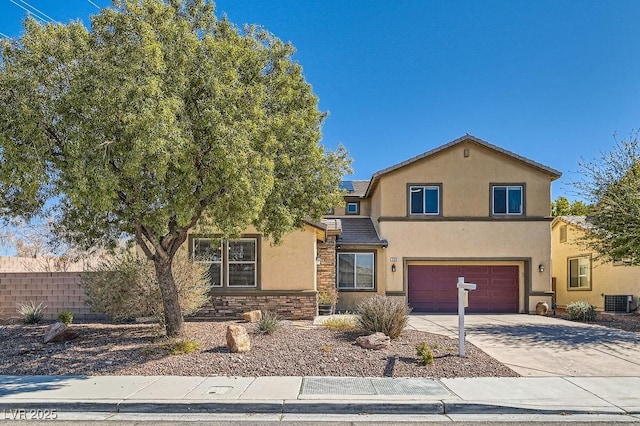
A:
170	300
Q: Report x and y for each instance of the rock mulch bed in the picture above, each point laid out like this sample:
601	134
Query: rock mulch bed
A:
627	322
297	348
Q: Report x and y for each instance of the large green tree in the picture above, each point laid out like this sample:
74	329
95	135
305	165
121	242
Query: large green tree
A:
158	119
612	186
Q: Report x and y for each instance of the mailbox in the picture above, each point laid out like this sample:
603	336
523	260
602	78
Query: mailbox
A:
463	302
466	286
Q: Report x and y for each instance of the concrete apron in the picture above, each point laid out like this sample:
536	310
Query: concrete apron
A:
534	345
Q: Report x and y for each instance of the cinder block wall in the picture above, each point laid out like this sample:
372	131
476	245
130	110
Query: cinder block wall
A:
59	291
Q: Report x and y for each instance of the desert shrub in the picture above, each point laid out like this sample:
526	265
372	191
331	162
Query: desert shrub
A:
182	347
65	317
268	323
383	314
30	313
341	323
581	311
125	286
328	296
425	353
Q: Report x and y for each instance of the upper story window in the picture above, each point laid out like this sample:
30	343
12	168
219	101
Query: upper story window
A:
232	263
424	199
507	200
353	207
579	273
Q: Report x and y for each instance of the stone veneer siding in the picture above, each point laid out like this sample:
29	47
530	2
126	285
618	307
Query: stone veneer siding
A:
286	304
327	267
58	291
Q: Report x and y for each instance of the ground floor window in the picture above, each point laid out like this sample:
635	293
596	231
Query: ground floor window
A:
232	263
580	273
356	271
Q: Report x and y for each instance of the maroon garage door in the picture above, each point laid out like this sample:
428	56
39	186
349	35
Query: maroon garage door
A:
433	288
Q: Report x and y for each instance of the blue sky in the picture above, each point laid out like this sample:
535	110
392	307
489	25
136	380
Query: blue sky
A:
550	80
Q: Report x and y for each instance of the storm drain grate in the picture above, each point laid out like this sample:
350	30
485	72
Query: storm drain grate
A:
337	386
409	386
371	386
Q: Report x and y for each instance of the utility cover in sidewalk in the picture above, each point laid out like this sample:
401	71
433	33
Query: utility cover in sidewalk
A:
219	390
371	386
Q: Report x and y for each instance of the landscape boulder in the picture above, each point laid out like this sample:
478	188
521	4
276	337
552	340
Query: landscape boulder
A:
252	316
238	339
58	333
374	341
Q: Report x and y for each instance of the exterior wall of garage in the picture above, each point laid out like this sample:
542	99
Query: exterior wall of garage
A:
525	244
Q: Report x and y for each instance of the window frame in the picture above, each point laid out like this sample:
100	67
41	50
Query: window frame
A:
209	262
225	259
563	233
355	203
355	287
587	259
253	262
424	187
507	187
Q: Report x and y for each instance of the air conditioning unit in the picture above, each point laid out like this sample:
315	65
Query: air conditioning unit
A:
617	303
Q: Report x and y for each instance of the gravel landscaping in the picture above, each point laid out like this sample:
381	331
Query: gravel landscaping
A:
297	348
627	322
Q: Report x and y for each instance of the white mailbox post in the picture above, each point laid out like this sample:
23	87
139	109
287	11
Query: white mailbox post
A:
462	288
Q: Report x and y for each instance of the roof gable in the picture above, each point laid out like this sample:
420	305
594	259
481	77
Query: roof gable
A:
553	173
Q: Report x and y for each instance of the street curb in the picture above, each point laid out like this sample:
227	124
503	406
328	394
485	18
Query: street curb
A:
479	408
299	407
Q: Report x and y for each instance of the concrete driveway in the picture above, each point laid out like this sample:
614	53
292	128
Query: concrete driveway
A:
534	345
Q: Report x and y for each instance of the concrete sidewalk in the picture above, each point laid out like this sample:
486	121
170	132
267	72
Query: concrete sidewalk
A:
323	395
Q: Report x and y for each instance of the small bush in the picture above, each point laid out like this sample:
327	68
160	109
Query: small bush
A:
341	323
30	313
384	314
326	348
125	287
65	317
182	347
268	323
581	311
328	296
425	353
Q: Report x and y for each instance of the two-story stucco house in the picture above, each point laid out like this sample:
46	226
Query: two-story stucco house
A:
467	208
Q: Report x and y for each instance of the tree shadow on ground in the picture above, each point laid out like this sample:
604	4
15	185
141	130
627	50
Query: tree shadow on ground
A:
17	385
555	335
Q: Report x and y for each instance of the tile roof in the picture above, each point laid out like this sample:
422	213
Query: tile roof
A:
579	221
359	231
555	174
355	188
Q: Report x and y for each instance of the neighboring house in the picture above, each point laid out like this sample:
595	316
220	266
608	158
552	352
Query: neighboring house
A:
577	275
467	208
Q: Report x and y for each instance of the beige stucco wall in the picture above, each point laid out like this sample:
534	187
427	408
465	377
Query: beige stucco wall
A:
291	265
288	266
465	182
518	243
605	277
365	208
